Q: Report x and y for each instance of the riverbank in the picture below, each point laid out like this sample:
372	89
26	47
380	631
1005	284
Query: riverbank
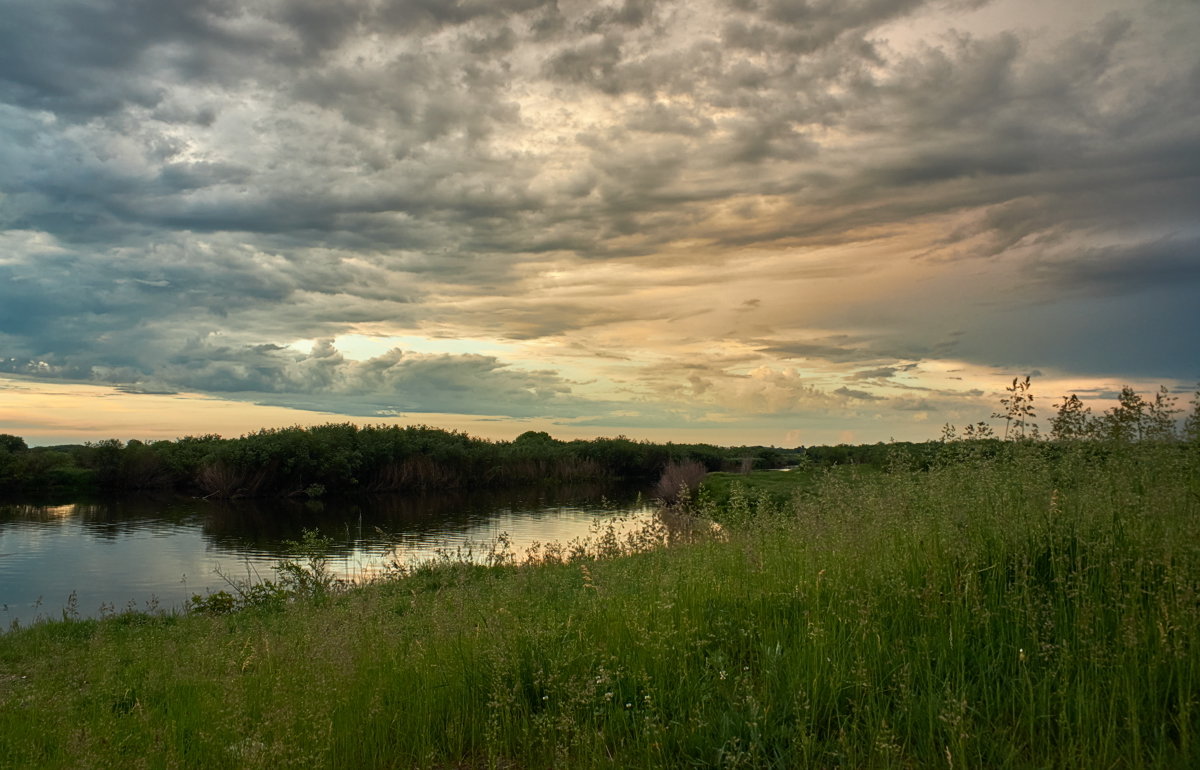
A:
1001	612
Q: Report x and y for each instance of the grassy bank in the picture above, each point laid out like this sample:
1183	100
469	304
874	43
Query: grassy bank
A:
1009	611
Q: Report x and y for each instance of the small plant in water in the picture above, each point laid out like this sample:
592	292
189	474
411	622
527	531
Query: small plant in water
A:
308	574
305	574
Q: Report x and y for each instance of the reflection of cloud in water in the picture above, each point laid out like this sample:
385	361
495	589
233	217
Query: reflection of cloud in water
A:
108	554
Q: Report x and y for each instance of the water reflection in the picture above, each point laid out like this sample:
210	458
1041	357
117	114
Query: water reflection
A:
107	554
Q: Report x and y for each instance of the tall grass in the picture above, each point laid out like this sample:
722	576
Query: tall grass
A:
1002	612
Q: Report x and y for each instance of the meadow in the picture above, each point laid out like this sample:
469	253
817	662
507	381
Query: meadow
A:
1036	606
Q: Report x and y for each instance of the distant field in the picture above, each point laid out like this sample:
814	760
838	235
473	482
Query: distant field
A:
780	485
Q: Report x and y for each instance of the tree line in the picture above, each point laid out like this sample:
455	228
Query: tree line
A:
347	458
1134	419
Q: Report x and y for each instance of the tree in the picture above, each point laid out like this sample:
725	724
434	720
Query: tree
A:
1126	421
1073	420
1160	416
534	438
11	443
1191	426
979	430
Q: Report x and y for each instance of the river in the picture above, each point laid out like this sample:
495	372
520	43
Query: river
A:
90	559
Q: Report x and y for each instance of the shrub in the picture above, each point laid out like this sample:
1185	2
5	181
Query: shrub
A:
679	480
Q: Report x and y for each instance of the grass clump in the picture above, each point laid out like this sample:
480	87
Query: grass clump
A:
1003	612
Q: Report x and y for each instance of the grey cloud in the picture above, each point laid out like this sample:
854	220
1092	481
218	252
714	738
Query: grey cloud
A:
885	372
323	24
756	141
810	26
82	57
659	118
738	34
965	82
882	372
493	43
325	380
860	395
418	15
467	384
828	351
803	27
1161	264
592	63
631	13
1141	333
133	309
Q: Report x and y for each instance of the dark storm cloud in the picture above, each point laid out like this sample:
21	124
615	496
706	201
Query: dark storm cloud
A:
882	372
860	395
802	27
1172	264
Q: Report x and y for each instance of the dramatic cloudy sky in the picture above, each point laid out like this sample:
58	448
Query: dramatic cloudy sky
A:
742	221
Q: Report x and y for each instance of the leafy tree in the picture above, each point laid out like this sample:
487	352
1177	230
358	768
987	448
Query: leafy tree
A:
1160	416
535	437
1073	421
1191	426
980	430
1126	421
11	443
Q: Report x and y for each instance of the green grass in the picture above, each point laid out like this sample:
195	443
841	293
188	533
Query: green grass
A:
1014	612
779	485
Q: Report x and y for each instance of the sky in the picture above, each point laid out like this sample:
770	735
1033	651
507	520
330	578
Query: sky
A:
779	222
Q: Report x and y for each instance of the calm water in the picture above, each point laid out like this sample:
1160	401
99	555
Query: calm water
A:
146	553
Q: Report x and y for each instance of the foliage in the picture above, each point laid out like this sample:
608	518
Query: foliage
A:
1191	426
305	575
679	481
1126	421
1160	416
10	443
341	459
1073	420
